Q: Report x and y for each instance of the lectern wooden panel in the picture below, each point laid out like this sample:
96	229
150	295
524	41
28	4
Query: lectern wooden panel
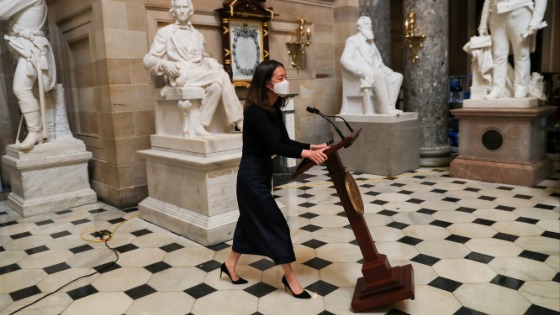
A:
381	284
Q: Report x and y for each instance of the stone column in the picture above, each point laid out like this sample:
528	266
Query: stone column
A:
425	82
379	12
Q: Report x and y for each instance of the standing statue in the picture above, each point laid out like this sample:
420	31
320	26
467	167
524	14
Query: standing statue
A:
515	23
35	63
178	52
362	59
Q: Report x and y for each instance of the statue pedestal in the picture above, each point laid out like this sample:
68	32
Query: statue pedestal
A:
502	145
50	177
191	184
388	145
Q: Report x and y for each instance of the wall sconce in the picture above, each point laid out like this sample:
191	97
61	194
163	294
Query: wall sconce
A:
414	39
296	48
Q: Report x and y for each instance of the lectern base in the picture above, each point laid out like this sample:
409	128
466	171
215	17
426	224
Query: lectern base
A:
401	290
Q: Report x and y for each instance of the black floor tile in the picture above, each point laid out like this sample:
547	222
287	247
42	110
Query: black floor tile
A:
425	260
466	209
82	292
481	258
551	235
44	222
9	268
307	204
527	220
60	234
426	211
505	208
308	215
505	237
80	249
25	293
440	223
317	263
56	268
36	250
321	287
20	235
468	311
484	222
397	225
126	248
81	221
218	247
171	247
539	310
141	232
140	292
260	289
311	228
210	265
533	255
157	267
387	212
410	240
200	290
507	282
313	243
445	284
262	264
458	238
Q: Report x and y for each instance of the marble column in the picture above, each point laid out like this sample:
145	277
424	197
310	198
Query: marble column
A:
379	12
425	82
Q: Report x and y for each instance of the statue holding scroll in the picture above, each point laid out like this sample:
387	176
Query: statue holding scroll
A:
511	22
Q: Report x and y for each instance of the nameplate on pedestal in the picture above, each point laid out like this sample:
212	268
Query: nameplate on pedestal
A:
221	190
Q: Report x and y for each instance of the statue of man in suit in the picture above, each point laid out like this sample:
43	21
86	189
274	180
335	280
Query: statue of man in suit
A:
361	57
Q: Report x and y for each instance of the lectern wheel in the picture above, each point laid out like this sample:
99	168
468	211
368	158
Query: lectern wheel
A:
354	193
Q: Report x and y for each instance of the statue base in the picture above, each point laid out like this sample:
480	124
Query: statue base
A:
502	145
389	145
526	102
191	185
50	177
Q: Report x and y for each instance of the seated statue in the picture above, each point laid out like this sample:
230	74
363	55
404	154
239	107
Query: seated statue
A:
178	52
365	73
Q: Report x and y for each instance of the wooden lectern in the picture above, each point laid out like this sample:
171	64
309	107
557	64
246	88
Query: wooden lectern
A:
381	283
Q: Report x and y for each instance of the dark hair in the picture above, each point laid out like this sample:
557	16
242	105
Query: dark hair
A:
258	92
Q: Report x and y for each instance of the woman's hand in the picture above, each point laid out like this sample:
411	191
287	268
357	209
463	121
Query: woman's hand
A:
317	156
314	147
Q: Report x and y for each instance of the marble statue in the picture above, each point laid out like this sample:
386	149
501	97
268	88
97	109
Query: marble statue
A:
364	73
512	22
178	53
35	69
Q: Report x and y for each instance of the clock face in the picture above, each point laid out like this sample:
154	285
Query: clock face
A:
354	193
246	47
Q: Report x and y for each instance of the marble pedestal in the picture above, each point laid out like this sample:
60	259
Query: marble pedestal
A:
191	184
388	145
502	145
50	177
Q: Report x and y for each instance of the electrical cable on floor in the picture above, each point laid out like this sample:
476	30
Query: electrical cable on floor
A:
104	237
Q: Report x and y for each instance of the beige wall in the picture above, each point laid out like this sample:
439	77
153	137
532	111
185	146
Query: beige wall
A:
99	46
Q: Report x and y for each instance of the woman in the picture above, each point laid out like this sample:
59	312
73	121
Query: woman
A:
262	228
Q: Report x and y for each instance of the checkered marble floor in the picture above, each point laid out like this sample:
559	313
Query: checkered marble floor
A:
476	248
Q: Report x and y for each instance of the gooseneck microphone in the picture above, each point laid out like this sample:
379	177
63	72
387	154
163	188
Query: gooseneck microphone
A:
316	111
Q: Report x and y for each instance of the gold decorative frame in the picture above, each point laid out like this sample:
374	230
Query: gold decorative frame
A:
244	38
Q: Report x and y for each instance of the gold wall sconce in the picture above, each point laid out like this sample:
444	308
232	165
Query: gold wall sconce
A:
415	40
296	48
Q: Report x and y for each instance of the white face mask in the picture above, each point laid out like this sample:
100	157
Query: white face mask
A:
282	89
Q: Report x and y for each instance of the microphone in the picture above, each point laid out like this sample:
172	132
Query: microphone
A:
316	111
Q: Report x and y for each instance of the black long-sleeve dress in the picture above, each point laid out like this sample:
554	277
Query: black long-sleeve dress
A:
262	228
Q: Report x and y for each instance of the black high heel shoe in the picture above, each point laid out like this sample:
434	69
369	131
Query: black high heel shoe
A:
302	295
223	268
